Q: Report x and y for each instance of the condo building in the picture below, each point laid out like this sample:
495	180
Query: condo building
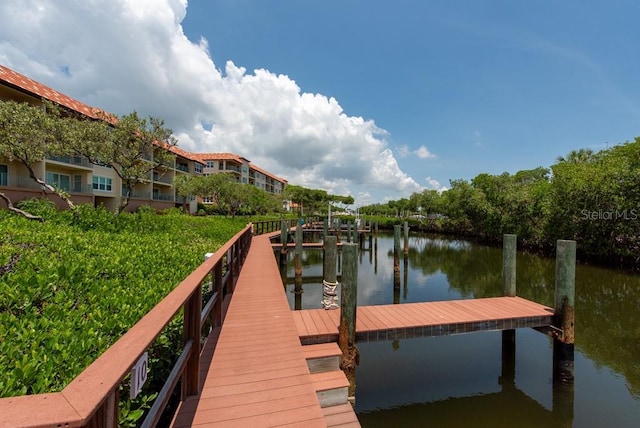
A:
99	185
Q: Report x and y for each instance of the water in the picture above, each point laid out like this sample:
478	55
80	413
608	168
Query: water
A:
455	381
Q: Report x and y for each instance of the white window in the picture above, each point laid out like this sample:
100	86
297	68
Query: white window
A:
211	164
61	181
198	168
4	175
207	200
77	183
101	183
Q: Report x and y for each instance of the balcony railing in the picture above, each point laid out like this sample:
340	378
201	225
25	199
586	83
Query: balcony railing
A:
71	160
81	188
233	168
23	181
161	197
136	194
166	178
182	167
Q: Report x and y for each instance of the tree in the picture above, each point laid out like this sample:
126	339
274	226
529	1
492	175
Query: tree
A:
186	186
578	156
28	134
133	146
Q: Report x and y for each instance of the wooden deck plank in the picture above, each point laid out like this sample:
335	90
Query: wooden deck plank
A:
258	375
447	317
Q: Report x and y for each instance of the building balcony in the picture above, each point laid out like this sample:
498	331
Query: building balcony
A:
72	160
22	181
182	167
232	168
163	178
161	197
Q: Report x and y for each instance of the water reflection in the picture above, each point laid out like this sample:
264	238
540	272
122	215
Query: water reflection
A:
442	379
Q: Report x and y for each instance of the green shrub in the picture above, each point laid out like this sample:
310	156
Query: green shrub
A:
72	287
42	207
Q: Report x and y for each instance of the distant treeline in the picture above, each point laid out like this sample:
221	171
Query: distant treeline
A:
590	197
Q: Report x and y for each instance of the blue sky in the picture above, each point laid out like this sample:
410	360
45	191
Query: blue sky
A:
373	99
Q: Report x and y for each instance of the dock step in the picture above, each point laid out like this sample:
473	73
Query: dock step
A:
323	357
342	416
332	388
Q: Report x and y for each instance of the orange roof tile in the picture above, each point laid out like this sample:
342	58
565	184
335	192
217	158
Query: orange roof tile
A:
185	154
38	89
267	173
219	156
13	78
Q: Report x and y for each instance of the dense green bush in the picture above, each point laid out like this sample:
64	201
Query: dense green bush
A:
590	197
71	286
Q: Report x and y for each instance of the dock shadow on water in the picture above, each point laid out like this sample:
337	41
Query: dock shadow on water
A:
464	380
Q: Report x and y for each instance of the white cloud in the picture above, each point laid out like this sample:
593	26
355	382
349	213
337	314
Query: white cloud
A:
424	153
435	185
133	55
403	151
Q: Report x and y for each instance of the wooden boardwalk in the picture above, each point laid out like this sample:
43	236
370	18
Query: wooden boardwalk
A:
257	375
390	322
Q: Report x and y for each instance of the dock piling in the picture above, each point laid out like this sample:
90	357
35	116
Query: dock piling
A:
509	247
329	274
563	345
396	256
347	327
509	251
406	238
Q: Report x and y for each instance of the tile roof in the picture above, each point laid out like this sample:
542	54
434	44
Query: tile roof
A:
219	156
13	78
23	83
267	173
185	154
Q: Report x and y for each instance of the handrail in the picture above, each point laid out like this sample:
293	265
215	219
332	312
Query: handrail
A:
268	226
91	399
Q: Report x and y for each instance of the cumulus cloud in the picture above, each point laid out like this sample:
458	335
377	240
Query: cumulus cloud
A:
435	185
424	153
133	55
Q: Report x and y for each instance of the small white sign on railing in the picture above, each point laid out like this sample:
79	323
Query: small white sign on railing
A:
138	375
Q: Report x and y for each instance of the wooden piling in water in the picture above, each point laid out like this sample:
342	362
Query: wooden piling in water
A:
348	303
509	251
284	238
299	237
325	228
396	256
406	238
563	344
329	272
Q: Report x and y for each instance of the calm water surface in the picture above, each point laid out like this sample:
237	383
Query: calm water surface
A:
455	381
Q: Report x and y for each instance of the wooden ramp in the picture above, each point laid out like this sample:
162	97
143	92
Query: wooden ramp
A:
256	375
407	320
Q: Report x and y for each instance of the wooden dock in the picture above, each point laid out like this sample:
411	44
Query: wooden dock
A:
271	366
258	375
390	322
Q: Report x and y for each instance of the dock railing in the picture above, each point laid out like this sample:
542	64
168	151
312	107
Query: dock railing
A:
92	398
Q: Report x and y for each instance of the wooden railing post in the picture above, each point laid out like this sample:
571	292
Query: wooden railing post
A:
107	415
218	288
191	333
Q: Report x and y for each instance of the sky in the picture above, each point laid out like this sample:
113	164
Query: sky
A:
373	99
